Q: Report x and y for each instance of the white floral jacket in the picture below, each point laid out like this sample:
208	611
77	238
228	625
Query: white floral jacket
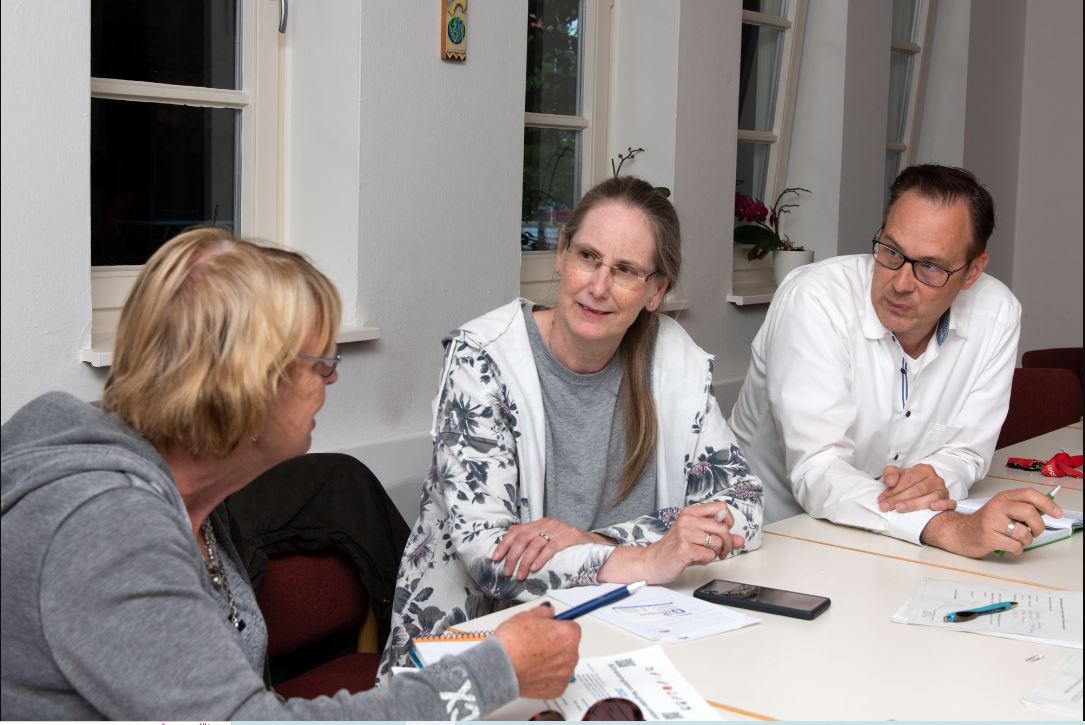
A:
489	466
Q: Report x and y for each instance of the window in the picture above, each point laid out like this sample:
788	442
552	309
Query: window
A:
564	124
913	24
184	131
772	32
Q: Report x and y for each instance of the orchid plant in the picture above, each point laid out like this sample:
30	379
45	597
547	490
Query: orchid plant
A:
759	225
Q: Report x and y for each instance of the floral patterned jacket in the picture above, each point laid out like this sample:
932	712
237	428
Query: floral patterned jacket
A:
489	466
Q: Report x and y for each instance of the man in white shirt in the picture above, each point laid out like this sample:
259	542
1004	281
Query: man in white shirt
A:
878	383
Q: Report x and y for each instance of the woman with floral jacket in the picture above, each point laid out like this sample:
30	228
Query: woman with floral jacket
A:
575	445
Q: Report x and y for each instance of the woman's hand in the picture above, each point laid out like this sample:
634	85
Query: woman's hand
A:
701	534
527	547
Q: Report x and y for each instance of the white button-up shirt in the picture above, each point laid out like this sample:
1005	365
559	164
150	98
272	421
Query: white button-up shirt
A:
826	406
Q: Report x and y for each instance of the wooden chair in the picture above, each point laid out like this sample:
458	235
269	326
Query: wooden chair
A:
1041	400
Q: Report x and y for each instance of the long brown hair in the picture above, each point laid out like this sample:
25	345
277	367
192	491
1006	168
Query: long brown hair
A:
641	424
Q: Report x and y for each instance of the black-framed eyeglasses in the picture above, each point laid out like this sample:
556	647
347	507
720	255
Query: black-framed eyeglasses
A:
324	365
624	275
928	273
612	709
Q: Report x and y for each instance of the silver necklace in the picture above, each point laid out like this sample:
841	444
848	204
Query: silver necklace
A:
218	575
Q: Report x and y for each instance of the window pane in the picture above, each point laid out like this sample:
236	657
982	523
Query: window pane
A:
184	42
900	74
551	185
156	169
553	57
905	19
759	77
768	7
752	168
892	168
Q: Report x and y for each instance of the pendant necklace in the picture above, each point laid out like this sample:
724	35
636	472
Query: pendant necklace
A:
218	575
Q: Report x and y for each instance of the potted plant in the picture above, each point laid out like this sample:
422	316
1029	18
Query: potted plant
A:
759	225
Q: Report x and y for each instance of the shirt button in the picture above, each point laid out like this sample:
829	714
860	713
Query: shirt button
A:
908	414
896	457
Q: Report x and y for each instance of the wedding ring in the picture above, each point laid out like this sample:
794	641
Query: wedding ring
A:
708	541
545	536
1009	529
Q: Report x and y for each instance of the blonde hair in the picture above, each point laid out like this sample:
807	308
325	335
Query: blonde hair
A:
641	424
207	336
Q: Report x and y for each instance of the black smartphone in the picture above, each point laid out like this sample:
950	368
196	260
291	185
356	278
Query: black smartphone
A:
763	599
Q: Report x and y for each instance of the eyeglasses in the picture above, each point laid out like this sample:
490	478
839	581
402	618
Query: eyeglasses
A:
612	708
624	275
325	366
929	274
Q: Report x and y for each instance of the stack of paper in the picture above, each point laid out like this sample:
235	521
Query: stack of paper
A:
427	650
1061	693
658	614
1057	529
1046	617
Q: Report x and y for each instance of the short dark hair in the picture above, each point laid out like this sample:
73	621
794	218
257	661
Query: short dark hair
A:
948	185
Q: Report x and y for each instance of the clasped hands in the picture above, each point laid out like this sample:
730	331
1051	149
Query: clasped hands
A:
913	489
700	534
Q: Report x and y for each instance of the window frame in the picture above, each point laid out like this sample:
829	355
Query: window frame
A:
258	100
779	140
537	267
917	81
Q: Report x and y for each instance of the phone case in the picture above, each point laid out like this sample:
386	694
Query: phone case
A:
741	603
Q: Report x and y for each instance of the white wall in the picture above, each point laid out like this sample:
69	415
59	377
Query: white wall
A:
45	211
1047	259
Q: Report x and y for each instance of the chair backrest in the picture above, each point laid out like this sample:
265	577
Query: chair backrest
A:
1041	400
1070	358
306	597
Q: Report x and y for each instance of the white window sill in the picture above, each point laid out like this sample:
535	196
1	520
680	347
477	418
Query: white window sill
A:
101	355
752	282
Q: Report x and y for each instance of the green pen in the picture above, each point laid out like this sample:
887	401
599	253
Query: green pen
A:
1000	552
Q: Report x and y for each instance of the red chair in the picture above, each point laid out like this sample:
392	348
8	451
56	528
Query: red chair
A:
315	606
1069	358
1041	400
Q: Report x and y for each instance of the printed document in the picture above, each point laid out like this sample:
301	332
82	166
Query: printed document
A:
1047	617
658	614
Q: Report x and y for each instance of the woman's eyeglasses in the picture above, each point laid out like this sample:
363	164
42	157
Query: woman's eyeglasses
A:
324	365
624	275
612	708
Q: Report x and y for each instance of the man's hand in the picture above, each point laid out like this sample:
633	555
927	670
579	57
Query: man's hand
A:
913	489
543	652
989	529
700	534
533	544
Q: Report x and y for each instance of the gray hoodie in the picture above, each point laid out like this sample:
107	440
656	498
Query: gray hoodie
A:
108	612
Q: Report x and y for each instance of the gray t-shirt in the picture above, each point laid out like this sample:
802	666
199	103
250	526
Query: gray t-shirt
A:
585	442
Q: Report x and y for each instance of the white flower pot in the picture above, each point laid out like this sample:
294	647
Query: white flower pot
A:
784	261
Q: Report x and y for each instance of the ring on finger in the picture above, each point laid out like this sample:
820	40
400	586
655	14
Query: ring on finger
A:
545	536
1010	527
708	541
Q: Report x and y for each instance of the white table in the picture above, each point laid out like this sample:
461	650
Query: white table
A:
853	663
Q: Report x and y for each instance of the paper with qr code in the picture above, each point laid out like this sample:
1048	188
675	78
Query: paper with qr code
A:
645	676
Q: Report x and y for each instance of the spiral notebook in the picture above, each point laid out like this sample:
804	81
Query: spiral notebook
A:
425	651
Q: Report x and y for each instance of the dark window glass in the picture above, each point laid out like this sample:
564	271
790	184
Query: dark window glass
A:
183	42
155	170
553	57
551	185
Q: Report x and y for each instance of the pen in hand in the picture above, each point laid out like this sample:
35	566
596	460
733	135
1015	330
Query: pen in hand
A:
601	601
1051	495
967	615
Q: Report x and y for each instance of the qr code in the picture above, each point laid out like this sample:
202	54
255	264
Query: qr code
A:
671	716
627	662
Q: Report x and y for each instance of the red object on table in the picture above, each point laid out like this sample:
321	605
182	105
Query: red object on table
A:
1060	465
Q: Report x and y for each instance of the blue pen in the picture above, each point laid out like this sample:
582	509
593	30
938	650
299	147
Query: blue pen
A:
601	601
967	615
